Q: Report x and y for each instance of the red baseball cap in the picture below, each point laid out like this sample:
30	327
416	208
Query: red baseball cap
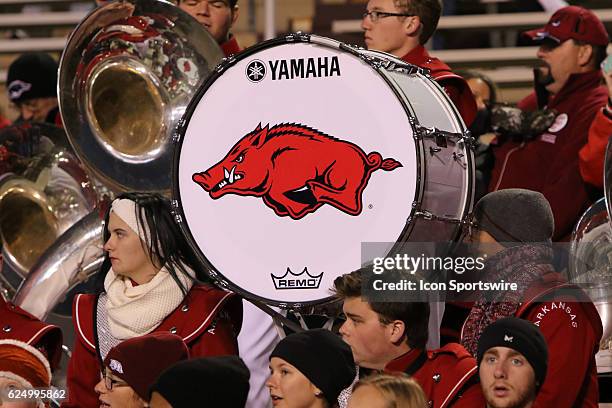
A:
575	23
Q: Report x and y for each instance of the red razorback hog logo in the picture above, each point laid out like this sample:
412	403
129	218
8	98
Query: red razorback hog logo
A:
295	170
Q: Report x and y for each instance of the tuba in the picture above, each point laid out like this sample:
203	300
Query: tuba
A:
590	261
38	204
127	73
126	76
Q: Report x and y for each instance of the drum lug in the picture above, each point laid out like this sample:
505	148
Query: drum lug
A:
428	216
225	64
469	140
434	150
298	37
441	137
175	213
176	136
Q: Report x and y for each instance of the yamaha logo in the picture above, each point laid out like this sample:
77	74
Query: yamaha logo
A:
302	280
256	71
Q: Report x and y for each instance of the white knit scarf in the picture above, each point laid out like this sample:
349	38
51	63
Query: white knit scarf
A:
137	310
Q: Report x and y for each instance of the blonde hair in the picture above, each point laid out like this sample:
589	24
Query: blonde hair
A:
398	391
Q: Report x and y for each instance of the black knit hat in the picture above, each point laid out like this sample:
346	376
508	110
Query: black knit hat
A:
220	381
515	215
520	335
322	357
32	75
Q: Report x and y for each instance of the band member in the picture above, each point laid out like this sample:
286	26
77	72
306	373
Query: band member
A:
401	28
391	336
310	369
512	361
17	324
149	275
218	17
382	390
220	381
22	368
130	370
513	229
32	87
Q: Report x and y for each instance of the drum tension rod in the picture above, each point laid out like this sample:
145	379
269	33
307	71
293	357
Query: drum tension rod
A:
426	215
442	137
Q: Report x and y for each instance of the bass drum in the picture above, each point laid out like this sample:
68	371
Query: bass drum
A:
297	152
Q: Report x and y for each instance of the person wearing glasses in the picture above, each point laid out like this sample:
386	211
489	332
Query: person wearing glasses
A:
512	229
401	28
218	17
131	368
32	88
150	281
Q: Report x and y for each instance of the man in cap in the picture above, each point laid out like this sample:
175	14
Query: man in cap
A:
32	87
401	28
513	228
572	46
512	361
218	17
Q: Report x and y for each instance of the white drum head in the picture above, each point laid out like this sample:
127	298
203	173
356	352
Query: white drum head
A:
289	161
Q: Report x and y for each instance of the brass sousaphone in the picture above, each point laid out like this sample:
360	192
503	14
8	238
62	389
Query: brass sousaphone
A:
126	76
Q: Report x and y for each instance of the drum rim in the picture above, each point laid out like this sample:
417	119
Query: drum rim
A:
181	129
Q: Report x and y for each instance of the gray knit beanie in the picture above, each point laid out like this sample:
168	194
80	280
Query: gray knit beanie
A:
515	216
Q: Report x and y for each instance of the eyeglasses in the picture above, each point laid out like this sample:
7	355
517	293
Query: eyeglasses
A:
375	15
110	382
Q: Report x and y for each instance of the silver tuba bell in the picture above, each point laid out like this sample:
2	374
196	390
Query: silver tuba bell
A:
126	76
590	261
37	207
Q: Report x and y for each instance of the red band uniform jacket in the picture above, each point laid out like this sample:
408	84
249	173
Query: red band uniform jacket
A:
592	155
455	86
572	328
208	320
17	324
448	376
